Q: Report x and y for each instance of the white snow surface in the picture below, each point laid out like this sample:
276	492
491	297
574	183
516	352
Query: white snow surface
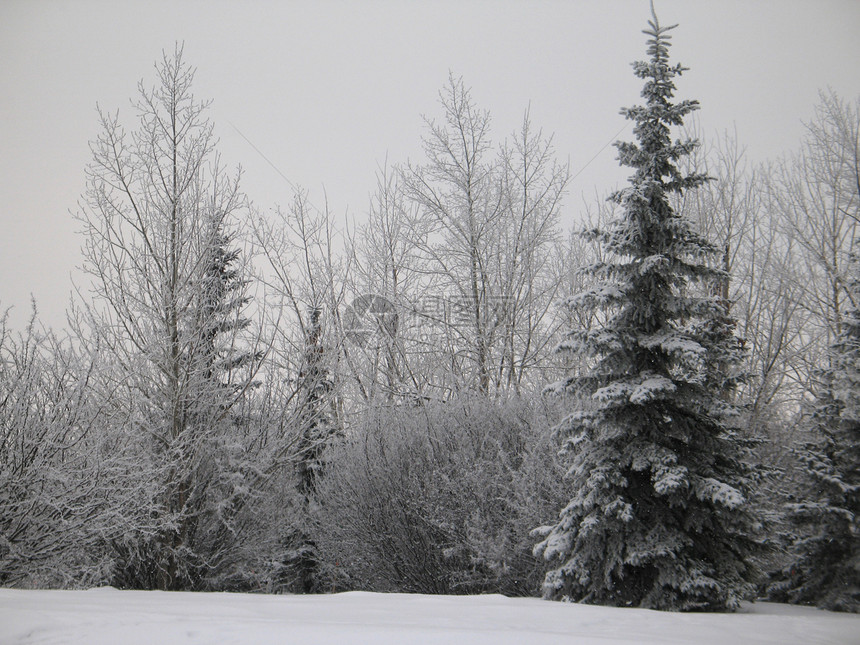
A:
107	616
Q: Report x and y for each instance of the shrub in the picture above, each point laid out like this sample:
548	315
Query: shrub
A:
439	498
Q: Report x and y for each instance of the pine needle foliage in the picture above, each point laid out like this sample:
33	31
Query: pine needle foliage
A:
659	515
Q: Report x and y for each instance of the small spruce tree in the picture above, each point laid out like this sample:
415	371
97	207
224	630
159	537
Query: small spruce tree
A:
200	546
224	364
826	571
300	570
659	515
223	295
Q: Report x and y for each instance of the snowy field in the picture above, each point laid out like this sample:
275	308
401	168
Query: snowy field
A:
111	617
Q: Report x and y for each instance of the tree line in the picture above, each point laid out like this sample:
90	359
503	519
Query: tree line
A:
455	395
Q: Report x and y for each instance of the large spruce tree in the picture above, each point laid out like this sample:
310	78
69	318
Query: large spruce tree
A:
659	514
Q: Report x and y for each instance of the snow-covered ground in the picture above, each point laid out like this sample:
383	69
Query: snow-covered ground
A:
111	617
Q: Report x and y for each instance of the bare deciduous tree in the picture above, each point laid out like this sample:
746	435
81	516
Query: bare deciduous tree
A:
817	193
55	478
168	307
490	219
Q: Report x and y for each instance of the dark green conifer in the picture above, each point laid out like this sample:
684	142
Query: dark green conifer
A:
659	514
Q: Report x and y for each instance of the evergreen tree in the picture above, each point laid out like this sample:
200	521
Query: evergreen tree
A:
659	515
315	385
827	569
224	369
300	568
223	297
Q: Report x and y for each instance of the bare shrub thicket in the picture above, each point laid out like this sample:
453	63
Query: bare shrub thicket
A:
440	498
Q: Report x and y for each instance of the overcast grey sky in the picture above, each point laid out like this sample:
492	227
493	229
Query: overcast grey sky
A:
328	90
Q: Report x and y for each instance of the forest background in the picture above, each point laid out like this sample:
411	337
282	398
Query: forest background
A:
278	399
